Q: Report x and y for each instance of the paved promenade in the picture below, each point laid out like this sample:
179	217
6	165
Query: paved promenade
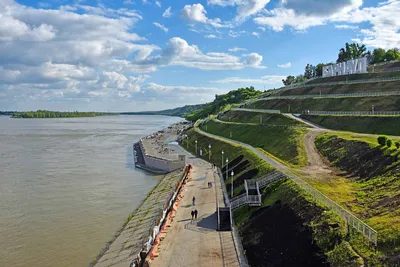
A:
197	243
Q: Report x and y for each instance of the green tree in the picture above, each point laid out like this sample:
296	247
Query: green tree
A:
378	55
392	54
382	140
351	51
397	145
289	80
318	70
389	143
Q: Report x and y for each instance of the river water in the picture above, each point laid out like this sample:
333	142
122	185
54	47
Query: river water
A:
66	185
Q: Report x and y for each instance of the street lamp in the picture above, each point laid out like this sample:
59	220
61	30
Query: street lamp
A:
196	146
232	184
373	110
226	161
222	165
209	152
187	142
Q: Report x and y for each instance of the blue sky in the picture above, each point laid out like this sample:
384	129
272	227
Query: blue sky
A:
133	55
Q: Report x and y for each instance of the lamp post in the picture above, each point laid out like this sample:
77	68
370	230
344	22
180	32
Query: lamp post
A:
196	146
187	142
209	152
232	184
373	110
227	173
222	165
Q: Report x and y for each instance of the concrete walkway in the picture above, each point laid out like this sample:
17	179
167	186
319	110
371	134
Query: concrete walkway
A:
197	243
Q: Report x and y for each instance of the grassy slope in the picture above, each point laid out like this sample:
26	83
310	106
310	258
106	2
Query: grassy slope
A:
362	124
386	103
329	231
232	152
283	142
254	117
376	198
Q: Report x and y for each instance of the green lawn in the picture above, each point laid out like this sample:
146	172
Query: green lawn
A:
285	143
386	103
256	118
373	192
362	124
243	169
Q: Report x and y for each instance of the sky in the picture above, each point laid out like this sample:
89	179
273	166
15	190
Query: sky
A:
136	55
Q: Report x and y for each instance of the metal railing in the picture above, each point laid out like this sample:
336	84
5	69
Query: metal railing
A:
351	220
239	201
361	94
352	113
270	178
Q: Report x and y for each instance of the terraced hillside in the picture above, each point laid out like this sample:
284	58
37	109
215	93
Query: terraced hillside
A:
361	124
372	184
320	87
382	103
283	142
258	118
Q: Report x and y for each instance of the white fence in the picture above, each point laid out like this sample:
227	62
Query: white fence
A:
351	220
361	94
353	113
259	111
265	180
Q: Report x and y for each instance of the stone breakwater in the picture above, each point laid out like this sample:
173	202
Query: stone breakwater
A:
135	238
153	154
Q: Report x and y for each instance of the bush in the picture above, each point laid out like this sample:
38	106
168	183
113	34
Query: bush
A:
382	140
397	145
389	143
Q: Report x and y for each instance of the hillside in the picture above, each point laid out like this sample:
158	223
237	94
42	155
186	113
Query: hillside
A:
374	171
283	142
256	118
382	103
224	101
178	112
361	124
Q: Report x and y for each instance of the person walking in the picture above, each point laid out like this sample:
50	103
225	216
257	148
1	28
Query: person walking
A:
195	214
194	201
192	213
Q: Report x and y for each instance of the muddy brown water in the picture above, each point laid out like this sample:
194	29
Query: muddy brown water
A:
66	185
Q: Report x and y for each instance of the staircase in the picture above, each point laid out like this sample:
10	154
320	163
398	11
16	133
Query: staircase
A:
224	219
252	197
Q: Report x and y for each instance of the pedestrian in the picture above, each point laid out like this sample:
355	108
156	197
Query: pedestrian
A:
192	213
194	201
195	214
210	184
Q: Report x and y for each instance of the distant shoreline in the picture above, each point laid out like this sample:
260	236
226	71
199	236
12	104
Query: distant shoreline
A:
46	114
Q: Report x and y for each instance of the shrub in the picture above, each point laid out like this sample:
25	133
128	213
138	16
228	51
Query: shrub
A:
382	140
397	145
389	143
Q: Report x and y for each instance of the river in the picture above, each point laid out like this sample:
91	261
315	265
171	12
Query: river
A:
66	185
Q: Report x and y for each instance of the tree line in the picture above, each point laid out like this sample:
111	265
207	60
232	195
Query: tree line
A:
348	52
56	114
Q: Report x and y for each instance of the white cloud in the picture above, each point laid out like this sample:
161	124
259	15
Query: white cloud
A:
256	34
236	49
269	79
345	26
249	7
285	66
179	52
166	88
303	14
167	13
321	7
210	36
158	4
197	13
245	8
162	27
